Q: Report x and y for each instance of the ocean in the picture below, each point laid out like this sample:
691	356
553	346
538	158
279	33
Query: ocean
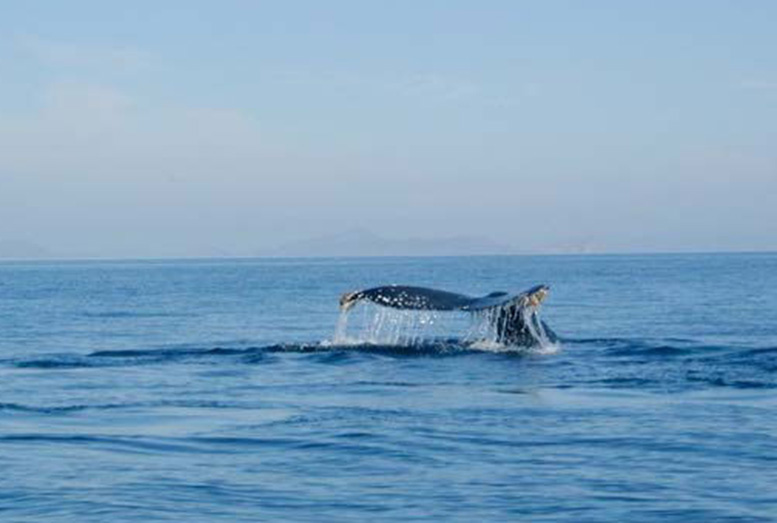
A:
221	390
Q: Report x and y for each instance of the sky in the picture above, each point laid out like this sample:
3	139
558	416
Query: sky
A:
233	128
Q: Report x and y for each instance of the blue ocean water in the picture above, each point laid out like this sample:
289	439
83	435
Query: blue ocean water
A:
210	390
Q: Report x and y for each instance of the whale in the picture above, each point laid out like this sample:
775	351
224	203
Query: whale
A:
514	317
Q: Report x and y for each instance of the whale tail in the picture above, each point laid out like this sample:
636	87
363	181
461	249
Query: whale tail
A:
513	317
349	299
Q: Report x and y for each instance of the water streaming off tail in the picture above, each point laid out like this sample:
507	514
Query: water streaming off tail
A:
531	318
373	324
486	325
385	326
341	329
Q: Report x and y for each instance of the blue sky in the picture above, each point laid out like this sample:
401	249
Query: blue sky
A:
207	128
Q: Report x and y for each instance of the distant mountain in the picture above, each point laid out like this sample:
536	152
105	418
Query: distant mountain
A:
360	242
10	249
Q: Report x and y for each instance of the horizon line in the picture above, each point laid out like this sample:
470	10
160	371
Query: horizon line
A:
44	259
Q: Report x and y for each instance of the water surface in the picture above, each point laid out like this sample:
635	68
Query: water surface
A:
209	390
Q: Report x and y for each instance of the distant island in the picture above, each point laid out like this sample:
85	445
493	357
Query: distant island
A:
360	242
353	242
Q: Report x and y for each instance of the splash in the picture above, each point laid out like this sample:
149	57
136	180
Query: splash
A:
398	327
385	326
531	317
486	326
341	329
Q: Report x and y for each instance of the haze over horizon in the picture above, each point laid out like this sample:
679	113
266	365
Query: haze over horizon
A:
240	129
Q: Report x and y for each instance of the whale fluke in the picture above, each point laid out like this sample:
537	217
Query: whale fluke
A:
513	316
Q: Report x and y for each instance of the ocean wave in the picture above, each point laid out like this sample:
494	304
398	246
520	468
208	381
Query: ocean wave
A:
729	382
134	314
611	362
323	351
663	348
80	407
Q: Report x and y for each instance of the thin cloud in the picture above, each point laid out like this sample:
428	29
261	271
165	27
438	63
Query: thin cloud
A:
427	86
84	97
759	85
69	55
437	86
89	127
